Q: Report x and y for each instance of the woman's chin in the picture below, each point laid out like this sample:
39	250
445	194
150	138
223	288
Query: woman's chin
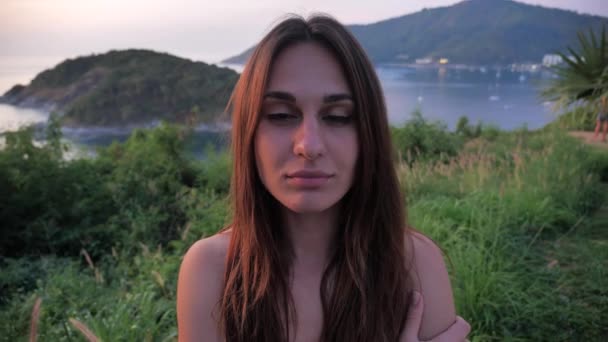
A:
309	205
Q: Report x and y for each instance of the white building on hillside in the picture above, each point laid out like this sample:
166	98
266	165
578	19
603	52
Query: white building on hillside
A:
551	60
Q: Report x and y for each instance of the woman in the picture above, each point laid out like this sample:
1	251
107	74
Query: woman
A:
317	249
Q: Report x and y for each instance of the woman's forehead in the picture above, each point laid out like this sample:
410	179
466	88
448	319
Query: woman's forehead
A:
307	68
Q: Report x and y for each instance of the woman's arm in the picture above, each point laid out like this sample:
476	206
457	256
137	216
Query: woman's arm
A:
199	288
430	278
457	332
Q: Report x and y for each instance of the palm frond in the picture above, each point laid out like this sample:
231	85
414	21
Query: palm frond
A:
583	75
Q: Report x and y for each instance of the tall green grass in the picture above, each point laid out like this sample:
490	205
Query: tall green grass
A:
492	209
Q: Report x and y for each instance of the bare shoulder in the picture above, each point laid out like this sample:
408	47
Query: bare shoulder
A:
211	251
430	277
199	288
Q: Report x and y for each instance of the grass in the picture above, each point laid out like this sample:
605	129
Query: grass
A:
575	265
502	218
521	217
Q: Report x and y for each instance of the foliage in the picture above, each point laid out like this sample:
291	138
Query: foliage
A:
465	129
130	306
215	171
510	211
48	205
584	74
420	139
580	118
148	175
495	209
131	191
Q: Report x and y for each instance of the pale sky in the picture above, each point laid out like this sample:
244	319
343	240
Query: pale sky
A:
203	30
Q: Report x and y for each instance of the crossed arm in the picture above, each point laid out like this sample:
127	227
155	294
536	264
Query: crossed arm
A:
433	317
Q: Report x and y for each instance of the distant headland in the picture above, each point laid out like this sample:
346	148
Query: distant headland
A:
471	32
128	87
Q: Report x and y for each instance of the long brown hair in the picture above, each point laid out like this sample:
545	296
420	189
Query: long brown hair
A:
364	289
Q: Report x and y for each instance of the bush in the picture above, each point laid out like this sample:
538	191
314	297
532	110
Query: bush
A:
419	139
131	192
464	129
48	205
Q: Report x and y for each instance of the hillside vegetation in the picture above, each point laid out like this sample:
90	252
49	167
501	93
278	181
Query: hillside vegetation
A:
129	87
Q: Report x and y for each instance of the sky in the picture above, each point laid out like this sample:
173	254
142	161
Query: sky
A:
197	29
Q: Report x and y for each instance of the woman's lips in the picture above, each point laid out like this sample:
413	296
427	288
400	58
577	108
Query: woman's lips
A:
308	179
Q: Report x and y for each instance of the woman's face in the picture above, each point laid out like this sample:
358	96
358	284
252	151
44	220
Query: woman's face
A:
306	142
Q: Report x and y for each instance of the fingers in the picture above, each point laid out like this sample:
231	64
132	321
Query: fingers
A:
457	332
414	317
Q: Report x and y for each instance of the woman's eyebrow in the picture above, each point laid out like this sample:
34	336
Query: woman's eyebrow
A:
337	98
285	96
280	95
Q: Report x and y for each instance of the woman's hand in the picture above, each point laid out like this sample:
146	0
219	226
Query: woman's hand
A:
457	332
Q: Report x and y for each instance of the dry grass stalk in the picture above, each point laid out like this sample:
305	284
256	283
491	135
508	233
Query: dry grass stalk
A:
34	321
159	279
98	275
84	330
145	249
114	253
88	258
186	231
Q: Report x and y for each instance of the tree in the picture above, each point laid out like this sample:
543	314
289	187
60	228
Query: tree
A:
584	74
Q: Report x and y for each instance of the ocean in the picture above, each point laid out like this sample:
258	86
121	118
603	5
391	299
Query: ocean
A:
501	97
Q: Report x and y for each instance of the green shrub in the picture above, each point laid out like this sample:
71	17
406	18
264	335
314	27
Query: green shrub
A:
47	204
214	171
464	129
419	139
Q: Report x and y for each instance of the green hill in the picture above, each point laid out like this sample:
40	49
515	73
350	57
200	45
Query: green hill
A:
128	87
476	32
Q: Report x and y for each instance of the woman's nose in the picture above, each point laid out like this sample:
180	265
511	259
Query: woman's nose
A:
308	139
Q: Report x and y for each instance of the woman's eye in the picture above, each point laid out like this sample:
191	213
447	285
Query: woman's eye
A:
281	117
338	119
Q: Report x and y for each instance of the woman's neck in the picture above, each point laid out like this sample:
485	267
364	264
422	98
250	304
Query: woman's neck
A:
311	236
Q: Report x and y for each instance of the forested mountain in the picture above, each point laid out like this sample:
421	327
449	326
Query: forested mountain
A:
477	32
128	87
